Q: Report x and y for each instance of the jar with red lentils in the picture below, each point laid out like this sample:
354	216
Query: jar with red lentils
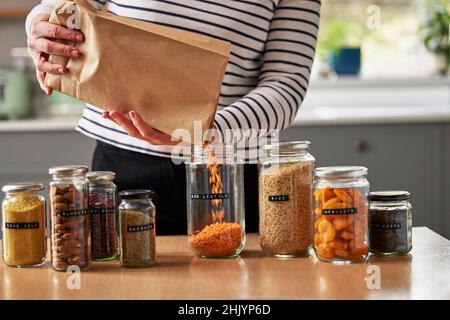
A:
341	214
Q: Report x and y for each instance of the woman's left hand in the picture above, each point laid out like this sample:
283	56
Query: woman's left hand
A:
138	128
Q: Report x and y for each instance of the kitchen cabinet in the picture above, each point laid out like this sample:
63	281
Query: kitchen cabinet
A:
27	156
415	157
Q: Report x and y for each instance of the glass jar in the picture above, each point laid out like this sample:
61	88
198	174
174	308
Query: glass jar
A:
70	240
390	222
341	214
102	213
24	242
285	199
137	229
215	201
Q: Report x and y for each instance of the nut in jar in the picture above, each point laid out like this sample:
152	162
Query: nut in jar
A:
341	214
69	217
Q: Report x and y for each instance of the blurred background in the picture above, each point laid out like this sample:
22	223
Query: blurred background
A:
379	97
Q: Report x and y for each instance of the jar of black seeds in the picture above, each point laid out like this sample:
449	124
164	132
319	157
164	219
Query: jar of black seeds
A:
390	222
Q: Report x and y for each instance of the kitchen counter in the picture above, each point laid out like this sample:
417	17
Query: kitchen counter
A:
422	275
307	116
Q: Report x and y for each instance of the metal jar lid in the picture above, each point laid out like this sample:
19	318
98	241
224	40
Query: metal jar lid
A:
341	172
98	176
389	196
287	147
71	170
23	187
136	194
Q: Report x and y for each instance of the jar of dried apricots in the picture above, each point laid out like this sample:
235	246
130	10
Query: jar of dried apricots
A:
341	214
215	201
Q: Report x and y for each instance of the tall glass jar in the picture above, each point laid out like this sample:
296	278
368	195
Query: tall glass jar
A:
390	222
69	217
137	229
102	213
215	201
341	214
285	199
24	241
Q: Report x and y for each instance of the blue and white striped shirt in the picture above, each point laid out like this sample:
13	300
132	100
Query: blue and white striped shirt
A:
273	45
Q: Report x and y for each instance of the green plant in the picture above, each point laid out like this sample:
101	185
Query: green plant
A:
435	28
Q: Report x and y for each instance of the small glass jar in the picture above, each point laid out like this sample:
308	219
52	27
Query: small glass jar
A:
215	201
70	240
102	213
137	229
390	223
341	214
285	199
24	241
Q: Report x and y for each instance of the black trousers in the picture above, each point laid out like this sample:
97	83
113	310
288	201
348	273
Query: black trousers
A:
136	170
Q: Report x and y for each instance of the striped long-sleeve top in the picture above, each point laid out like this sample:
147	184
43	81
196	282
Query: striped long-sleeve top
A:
272	50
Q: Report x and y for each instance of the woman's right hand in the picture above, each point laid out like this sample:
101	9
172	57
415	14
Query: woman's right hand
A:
41	44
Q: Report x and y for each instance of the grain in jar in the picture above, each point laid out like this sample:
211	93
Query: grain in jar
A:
285	199
70	239
23	216
137	229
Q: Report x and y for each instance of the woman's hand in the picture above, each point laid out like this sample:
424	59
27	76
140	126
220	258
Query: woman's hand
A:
136	127
41	44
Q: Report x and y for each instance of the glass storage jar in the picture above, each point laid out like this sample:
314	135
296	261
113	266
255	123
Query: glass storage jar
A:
341	214
70	240
102	214
215	201
24	241
390	222
137	229
285	199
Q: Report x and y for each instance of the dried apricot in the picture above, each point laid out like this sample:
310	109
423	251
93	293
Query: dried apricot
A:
331	202
341	253
347	235
343	195
340	223
339	244
326	229
324	252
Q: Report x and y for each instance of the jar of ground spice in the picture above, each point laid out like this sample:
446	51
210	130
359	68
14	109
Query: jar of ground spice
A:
285	199
69	217
341	214
102	213
215	201
24	242
137	229
390	222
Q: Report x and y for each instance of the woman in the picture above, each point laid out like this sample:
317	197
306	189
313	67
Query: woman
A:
273	45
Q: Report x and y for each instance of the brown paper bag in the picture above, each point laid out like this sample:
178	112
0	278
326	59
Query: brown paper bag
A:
170	76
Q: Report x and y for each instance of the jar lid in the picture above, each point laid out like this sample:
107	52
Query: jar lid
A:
23	186
95	176
136	194
341	172
70	170
389	196
288	147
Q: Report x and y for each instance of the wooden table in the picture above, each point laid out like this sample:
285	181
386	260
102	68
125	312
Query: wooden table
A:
425	274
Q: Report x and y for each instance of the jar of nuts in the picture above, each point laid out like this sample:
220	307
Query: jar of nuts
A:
69	217
341	214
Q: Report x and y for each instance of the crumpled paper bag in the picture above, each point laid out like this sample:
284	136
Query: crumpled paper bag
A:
170	76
